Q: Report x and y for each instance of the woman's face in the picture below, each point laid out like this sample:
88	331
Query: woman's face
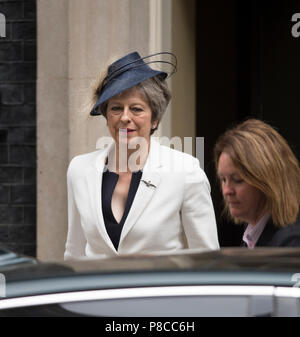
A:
244	201
128	116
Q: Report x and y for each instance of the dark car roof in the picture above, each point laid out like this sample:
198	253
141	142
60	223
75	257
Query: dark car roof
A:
273	259
262	266
264	259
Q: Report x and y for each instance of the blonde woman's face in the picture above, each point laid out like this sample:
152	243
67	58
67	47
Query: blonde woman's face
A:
244	201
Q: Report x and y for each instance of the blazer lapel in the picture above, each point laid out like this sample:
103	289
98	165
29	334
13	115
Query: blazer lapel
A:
267	234
94	182
147	188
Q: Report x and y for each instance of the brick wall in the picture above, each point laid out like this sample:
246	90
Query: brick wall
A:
18	127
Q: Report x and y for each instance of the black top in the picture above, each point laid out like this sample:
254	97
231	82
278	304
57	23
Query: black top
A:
273	236
109	182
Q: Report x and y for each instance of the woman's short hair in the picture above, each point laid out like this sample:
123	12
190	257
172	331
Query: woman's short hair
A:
154	90
264	160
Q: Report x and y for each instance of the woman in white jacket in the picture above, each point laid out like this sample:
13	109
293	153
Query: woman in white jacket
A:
136	196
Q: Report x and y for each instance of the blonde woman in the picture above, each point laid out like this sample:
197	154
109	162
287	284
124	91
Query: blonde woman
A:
260	182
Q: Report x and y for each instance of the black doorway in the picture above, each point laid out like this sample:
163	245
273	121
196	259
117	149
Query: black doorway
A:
247	65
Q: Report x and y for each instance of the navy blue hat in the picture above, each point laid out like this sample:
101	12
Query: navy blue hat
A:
125	73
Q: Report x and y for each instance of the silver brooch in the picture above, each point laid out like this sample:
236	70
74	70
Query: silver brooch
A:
148	183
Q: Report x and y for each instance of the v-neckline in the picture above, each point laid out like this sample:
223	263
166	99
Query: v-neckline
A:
111	224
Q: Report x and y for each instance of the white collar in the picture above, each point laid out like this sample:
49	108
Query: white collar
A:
253	232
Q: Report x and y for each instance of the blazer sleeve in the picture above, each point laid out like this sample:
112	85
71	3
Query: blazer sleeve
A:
197	211
287	237
76	242
291	241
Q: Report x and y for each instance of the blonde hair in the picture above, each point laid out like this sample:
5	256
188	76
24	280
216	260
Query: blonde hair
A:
265	161
93	91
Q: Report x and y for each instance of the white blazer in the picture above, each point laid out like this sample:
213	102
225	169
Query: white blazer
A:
172	209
